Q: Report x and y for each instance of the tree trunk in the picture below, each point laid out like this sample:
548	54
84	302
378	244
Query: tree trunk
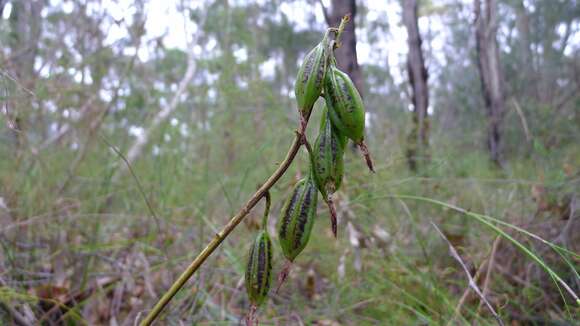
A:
137	148
346	54
25	21
418	139
526	62
490	73
25	29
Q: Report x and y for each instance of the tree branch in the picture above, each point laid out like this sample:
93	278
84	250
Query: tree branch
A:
325	13
136	149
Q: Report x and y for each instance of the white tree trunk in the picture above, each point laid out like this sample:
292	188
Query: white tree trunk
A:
490	73
136	150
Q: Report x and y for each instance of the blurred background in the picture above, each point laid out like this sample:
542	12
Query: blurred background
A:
132	130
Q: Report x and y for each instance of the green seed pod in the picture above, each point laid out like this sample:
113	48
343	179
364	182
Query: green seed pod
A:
310	78
328	163
259	270
328	156
346	108
345	104
297	218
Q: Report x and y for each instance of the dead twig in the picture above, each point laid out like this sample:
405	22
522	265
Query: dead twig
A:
139	186
466	293
16	316
490	266
522	119
472	282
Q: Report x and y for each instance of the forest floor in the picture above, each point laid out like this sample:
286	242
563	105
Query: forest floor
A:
90	251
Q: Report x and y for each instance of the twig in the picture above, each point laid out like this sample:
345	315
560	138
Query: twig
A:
130	168
472	283
522	119
16	316
13	79
325	12
488	263
490	266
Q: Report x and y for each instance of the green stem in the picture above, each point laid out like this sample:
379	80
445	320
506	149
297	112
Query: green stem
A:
341	27
266	210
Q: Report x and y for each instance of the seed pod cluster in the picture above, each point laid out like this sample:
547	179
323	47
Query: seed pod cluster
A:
343	117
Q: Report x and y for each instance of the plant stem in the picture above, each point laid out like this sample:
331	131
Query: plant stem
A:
340	29
266	210
299	140
221	236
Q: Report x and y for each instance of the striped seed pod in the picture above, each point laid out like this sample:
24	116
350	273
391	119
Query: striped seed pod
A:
328	163
310	78
345	104
346	108
328	156
298	218
259	269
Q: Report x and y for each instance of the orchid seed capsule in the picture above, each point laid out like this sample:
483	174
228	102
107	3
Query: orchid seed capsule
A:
310	78
297	218
345	104
259	268
328	163
296	222
346	108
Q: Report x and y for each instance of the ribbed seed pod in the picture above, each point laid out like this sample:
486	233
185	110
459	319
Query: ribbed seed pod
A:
297	218
310	78
345	104
346	108
328	156
328	163
259	269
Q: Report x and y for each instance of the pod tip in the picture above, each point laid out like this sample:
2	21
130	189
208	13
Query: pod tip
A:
367	155
333	215
283	275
